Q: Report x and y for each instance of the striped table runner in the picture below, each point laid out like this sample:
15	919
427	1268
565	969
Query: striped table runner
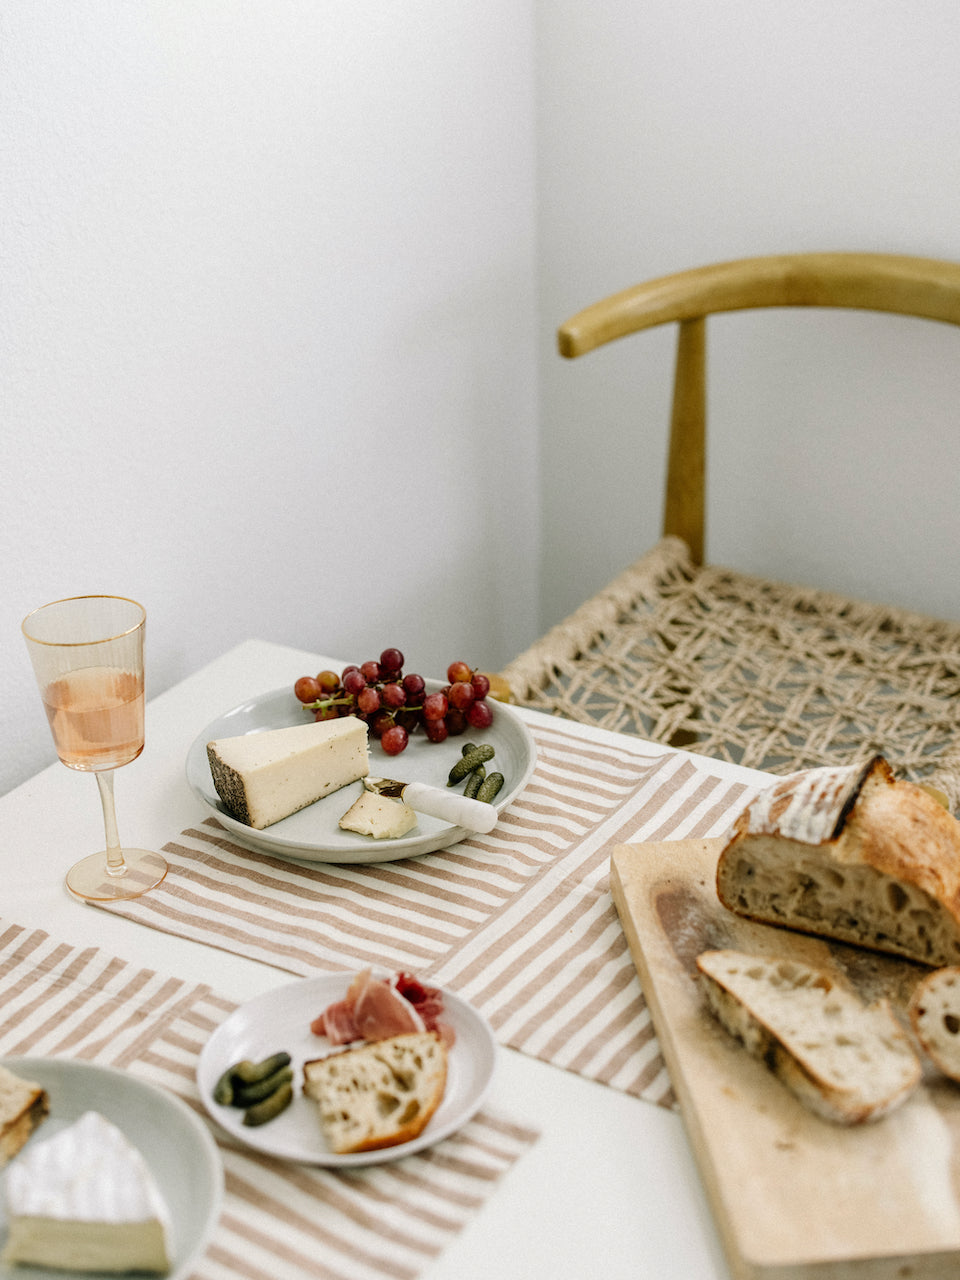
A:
519	922
280	1221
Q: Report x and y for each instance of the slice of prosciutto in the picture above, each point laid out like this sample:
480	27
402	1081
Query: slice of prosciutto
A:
377	1008
381	1011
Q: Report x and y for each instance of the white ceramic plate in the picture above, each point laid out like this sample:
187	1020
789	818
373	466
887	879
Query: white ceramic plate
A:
175	1143
312	835
279	1020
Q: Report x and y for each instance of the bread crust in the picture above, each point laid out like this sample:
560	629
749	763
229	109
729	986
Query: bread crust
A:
901	846
23	1106
378	1061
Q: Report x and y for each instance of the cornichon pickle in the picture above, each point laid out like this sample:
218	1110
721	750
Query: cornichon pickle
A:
466	764
223	1089
250	1072
246	1095
270	1107
473	782
489	787
467	748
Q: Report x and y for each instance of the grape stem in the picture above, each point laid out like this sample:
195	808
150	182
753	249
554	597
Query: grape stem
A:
322	703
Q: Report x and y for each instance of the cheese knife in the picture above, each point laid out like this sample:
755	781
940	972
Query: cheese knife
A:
448	806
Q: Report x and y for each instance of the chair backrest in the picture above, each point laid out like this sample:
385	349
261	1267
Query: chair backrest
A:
923	287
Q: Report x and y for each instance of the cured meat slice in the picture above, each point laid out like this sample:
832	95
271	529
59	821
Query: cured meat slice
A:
337	1023
379	1008
428	1002
381	1012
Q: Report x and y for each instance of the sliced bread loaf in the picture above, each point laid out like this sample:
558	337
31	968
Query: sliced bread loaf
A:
935	1017
850	854
379	1094
847	1061
23	1106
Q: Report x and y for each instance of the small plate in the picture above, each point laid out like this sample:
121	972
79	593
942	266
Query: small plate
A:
312	835
176	1145
280	1020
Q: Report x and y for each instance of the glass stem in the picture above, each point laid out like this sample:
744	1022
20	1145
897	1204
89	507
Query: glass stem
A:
115	863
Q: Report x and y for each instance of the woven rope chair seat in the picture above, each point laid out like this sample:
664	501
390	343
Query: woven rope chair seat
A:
763	674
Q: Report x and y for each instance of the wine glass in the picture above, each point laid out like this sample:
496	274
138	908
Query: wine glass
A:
87	654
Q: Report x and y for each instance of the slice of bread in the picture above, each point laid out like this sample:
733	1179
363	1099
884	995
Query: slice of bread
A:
935	1017
844	1060
849	854
23	1105
379	1094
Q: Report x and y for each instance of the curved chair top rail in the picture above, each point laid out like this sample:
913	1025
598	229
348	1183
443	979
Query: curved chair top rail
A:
925	287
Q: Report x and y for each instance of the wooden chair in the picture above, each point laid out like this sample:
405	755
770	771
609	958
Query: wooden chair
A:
766	674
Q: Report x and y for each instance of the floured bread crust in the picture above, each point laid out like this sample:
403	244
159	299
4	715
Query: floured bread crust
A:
850	854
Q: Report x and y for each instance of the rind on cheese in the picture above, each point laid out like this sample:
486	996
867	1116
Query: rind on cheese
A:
263	777
379	816
23	1105
85	1200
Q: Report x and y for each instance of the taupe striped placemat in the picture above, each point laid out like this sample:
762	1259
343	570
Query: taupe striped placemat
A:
519	922
279	1221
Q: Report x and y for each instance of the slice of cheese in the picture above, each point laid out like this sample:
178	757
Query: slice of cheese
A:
379	816
85	1200
23	1105
263	777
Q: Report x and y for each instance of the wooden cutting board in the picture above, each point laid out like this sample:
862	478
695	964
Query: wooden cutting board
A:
795	1197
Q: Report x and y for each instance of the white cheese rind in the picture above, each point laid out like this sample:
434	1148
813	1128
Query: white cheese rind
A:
85	1200
264	777
379	816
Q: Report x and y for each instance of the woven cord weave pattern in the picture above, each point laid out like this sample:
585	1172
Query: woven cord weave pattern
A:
763	674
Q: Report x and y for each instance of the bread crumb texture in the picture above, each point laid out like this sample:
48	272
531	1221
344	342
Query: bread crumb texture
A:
845	1060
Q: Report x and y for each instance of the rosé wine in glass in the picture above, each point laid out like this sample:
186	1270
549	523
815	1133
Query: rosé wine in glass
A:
87	655
96	717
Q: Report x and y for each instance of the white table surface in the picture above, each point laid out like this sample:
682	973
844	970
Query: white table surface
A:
610	1189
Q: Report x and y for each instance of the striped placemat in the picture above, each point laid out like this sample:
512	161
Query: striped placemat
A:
279	1221
519	922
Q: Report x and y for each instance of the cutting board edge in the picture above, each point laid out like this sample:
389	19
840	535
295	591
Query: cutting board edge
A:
741	1268
934	1265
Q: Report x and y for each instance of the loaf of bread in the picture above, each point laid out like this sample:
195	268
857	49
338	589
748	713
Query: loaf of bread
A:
23	1105
844	1060
935	1017
379	1094
850	854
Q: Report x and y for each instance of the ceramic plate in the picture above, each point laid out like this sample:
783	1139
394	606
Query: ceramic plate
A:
313	835
177	1146
280	1020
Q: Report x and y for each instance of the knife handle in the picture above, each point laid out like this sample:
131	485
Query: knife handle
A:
450	806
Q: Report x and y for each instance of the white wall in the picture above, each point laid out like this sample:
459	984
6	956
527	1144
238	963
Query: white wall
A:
267	329
676	134
270	311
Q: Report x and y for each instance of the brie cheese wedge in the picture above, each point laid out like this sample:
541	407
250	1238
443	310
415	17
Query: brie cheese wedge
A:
263	777
85	1200
378	816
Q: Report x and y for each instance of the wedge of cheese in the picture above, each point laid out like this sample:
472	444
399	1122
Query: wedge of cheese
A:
263	777
85	1200
379	816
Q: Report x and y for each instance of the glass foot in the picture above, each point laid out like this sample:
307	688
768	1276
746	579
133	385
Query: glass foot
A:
90	879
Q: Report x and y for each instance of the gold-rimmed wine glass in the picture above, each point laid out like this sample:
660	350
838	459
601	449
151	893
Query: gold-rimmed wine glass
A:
87	655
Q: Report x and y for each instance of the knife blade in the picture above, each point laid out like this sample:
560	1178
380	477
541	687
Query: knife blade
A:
448	806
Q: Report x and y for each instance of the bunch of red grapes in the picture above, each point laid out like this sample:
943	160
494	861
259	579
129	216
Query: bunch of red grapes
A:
395	705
